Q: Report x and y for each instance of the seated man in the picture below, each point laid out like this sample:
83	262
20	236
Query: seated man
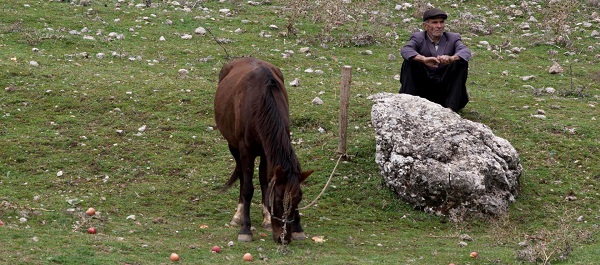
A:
436	63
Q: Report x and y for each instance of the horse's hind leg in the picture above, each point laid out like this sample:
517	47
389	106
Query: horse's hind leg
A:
264	185
246	193
237	174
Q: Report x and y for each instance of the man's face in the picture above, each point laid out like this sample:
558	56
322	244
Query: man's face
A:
434	26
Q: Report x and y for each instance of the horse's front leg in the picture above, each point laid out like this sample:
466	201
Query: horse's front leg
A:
297	231
246	193
264	186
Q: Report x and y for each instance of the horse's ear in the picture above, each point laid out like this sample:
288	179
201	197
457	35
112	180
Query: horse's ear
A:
304	175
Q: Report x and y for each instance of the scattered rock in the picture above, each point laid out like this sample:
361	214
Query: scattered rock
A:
556	68
527	78
295	82
317	101
200	31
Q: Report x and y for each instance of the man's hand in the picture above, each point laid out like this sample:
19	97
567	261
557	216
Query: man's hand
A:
431	62
447	59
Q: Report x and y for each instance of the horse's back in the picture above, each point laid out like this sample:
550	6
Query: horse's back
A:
242	86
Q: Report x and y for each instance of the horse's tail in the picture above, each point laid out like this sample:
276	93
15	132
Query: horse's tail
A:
230	182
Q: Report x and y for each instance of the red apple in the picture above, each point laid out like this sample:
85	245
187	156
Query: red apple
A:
474	255
1	223
247	257
91	211
91	230
174	257
216	249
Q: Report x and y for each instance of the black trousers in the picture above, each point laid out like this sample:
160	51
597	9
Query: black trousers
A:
445	86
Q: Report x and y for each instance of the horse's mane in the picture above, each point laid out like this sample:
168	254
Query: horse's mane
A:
276	123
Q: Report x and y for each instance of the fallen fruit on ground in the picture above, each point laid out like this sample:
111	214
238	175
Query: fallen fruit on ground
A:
247	257
216	249
91	230
91	211
174	257
474	255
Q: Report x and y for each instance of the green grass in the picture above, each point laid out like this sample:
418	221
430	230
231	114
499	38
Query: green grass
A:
64	114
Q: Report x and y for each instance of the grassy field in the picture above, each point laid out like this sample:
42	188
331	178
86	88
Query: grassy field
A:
95	113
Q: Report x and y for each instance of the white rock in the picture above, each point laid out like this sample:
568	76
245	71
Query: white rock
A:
100	55
321	130
309	70
186	36
304	49
550	90
295	82
317	101
162	38
224	11
391	57
273	26
539	116
34	63
59	173
130	217
200	31
555	69
183	72
143	128
527	78
238	30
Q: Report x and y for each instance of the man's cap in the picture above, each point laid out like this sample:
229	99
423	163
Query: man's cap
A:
434	13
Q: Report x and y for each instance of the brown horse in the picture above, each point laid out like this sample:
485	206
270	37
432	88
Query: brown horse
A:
251	111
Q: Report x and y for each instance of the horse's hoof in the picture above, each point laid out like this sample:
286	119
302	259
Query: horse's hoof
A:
244	238
298	236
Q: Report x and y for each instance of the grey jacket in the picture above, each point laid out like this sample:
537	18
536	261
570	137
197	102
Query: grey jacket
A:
450	44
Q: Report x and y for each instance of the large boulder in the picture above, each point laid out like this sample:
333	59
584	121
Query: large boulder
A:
441	163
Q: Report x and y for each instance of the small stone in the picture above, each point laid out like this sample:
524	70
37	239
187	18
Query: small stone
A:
465	237
556	68
538	116
200	30
295	82
317	101
304	49
391	57
527	78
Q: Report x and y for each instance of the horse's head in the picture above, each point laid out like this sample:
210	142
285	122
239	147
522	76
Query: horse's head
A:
284	196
